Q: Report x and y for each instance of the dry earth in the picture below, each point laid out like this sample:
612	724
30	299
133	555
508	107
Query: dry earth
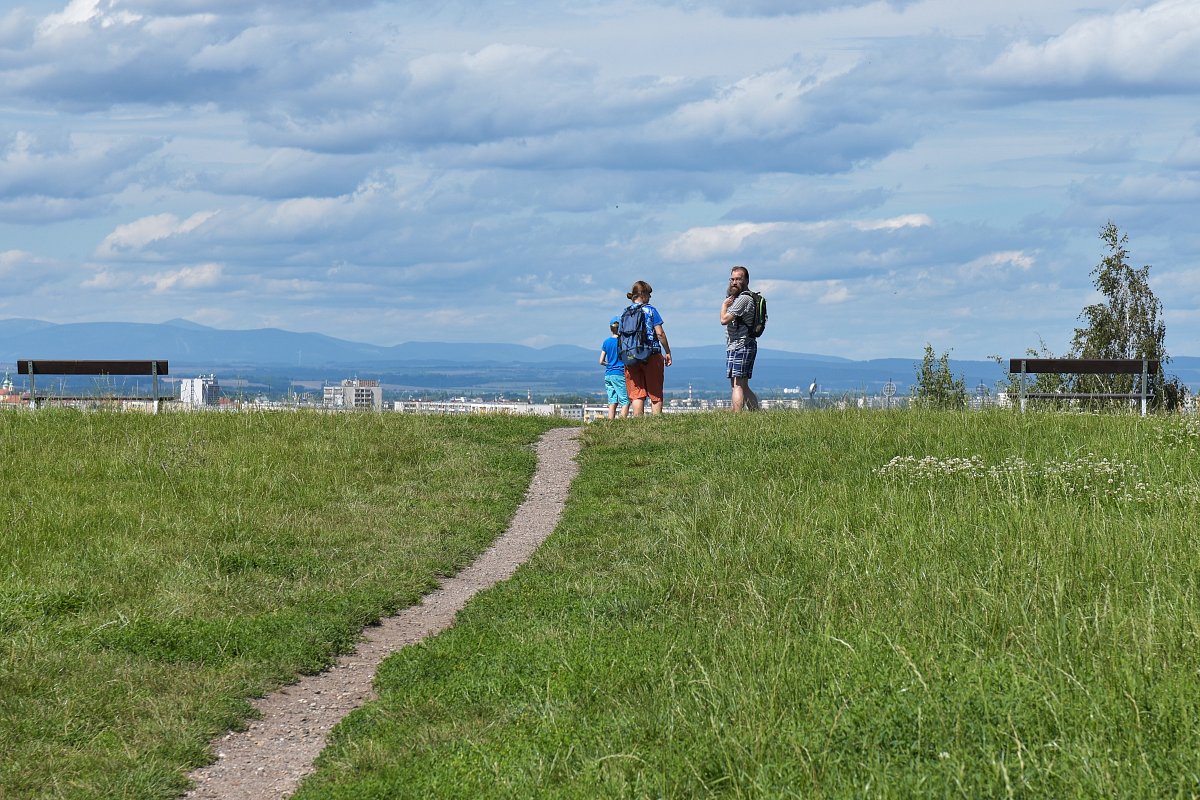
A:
269	758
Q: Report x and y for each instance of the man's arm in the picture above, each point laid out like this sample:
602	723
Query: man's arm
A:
603	359
726	317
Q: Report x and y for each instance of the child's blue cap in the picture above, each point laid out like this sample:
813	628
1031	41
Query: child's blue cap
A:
613	321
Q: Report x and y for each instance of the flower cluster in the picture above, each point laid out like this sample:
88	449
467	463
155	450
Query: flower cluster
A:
1087	476
1180	433
932	467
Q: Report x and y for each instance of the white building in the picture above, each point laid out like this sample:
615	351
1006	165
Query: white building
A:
201	391
354	394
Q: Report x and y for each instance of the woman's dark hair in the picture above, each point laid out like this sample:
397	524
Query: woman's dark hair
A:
640	289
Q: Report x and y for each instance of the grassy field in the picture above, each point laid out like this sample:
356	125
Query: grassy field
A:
155	571
824	605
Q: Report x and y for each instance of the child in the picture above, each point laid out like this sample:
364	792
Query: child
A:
614	372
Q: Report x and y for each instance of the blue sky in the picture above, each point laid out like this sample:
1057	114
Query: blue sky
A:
892	173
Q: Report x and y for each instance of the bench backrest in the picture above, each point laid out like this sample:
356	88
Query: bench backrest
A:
44	367
1084	366
34	367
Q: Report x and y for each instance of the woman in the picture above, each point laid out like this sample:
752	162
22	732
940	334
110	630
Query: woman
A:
646	379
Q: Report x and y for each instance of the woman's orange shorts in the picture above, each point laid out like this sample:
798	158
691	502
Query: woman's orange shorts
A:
646	379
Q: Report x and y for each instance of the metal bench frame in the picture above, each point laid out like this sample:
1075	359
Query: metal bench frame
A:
1085	366
35	367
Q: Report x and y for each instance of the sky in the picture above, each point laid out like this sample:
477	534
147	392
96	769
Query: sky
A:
893	174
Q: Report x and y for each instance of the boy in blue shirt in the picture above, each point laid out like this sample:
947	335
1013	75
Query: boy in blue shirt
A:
614	372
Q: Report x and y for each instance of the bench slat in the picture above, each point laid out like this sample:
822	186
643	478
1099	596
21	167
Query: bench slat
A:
1084	366
1082	395
43	367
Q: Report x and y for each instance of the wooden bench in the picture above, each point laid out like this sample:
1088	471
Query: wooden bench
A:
35	367
1146	367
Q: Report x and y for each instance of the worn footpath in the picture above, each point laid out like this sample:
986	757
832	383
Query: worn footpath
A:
270	757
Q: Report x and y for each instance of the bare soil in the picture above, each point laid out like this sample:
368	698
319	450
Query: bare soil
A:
270	757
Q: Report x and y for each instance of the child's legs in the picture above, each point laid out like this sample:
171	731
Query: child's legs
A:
614	385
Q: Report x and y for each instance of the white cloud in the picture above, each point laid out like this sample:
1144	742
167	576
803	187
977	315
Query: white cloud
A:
130	238
780	8
58	165
699	244
24	271
202	276
993	265
10	260
77	12
893	223
105	280
1157	46
835	295
763	106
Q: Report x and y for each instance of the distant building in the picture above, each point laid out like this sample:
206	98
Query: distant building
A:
354	394
8	397
201	391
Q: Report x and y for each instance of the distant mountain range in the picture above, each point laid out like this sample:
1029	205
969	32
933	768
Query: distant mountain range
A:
272	357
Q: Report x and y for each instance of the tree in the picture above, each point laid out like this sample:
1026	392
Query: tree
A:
936	386
1126	324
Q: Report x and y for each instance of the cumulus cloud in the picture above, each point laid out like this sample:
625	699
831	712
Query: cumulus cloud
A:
1156	48
129	239
795	119
699	244
236	7
105	280
96	54
202	276
498	93
10	260
992	265
24	272
703	243
35	210
60	166
284	174
779	8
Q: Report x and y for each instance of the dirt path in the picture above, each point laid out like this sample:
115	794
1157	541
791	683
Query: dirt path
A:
269	758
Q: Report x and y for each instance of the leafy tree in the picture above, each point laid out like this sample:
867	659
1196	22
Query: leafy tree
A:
936	386
1126	324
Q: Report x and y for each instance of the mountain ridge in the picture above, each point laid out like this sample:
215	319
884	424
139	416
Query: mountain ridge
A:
277	355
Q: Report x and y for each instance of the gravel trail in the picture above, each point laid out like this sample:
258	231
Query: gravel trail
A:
269	758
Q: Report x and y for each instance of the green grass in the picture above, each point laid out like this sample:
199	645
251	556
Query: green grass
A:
746	607
155	571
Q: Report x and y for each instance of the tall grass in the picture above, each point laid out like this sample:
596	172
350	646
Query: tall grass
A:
761	606
155	571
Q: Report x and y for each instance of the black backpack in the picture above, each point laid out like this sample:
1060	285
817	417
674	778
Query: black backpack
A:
760	314
633	341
